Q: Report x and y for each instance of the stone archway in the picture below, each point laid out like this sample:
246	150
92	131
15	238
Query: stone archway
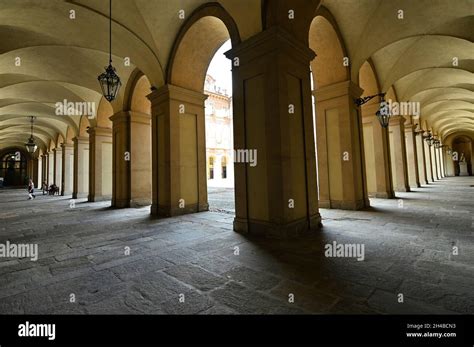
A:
340	157
178	129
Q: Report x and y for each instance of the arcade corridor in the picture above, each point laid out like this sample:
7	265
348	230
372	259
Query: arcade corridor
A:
407	250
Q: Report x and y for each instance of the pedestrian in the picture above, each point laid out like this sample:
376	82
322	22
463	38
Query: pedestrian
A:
31	190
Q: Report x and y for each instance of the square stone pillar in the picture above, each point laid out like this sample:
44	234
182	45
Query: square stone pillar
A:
81	167
68	167
434	163
121	190
420	151
340	160
44	173
412	155
51	168
131	159
179	182
398	154
377	154
39	179
58	166
440	162
443	161
100	161
273	116
429	159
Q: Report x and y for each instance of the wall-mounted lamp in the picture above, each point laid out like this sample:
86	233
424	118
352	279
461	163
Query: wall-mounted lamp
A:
383	114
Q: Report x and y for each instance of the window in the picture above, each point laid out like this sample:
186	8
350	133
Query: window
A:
224	167
211	168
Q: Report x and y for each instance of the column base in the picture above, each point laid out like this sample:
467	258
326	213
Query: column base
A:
99	198
79	195
382	195
273	230
344	204
140	203
120	203
66	193
403	189
168	211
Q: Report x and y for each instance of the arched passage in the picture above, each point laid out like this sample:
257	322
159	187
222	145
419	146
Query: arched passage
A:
81	160
462	148
100	153
376	139
132	145
178	115
338	123
13	167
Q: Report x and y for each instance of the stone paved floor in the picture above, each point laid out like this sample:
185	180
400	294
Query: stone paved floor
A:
408	250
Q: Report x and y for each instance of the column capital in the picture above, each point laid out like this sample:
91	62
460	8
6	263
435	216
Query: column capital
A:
397	120
275	40
337	90
121	116
81	139
99	131
67	145
171	92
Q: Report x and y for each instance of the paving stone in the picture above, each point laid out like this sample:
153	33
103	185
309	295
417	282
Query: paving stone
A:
246	301
195	276
253	279
82	251
193	303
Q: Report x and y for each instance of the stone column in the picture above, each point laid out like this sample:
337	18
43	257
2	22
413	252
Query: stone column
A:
50	168
340	159
441	159
377	154
132	159
121	175
434	163
412	154
58	159
68	168
429	159
100	161
398	154
44	173
39	179
420	150
179	182
273	115
81	167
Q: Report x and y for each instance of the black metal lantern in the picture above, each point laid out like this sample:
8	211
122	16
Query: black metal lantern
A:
109	83
31	144
109	80
383	114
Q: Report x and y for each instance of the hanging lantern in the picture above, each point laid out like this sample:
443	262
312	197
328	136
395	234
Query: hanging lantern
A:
109	83
31	144
383	114
109	80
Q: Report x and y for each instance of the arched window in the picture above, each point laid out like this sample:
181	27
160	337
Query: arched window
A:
224	167
13	169
211	168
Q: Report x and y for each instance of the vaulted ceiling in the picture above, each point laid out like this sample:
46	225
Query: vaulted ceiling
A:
427	55
61	57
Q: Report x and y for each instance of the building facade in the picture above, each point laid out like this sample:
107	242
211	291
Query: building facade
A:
219	135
